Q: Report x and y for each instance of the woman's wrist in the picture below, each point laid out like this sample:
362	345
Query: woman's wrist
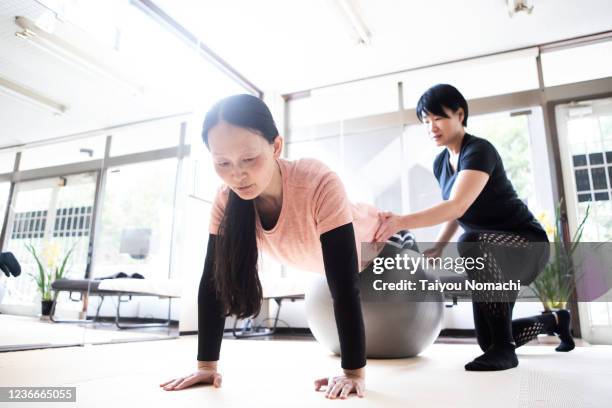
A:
441	244
405	222
355	373
210	365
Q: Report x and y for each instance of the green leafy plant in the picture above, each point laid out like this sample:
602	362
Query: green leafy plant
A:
49	269
555	284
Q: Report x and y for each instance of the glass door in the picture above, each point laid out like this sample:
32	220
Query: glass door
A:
52	216
585	142
136	238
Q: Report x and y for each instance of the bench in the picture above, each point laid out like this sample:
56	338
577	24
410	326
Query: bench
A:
122	287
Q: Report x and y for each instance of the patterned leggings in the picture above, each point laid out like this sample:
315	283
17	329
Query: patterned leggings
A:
506	256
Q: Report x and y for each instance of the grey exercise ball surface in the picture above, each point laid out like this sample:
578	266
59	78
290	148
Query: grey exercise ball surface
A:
394	327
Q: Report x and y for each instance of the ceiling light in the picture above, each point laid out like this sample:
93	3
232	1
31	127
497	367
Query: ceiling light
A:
30	96
67	52
349	13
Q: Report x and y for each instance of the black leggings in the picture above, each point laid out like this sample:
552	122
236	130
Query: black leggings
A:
507	256
523	330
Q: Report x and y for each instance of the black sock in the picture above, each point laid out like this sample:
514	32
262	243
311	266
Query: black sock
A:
496	358
500	355
563	330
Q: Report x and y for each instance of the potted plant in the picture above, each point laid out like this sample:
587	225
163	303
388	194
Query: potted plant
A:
49	270
555	284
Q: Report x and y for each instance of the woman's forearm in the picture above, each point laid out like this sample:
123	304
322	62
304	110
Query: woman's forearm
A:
443	212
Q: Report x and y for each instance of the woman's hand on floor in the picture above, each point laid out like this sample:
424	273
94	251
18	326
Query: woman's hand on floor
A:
353	381
206	374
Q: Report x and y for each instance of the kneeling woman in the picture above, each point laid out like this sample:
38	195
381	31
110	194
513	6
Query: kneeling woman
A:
498	227
296	211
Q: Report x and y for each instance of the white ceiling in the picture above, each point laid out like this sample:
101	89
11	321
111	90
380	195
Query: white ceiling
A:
280	46
293	45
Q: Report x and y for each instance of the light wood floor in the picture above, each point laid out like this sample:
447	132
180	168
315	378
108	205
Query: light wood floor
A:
280	374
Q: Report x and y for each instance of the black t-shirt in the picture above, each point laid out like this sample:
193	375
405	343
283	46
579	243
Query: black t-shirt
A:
497	207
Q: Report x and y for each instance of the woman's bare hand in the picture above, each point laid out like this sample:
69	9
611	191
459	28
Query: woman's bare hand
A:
432	253
390	223
206	374
353	381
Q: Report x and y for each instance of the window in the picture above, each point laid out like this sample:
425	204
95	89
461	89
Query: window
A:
136	224
325	149
487	76
56	154
174	68
141	138
49	213
352	100
4	192
585	140
369	164
600	313
577	64
29	224
7	161
510	136
202	179
373	167
589	140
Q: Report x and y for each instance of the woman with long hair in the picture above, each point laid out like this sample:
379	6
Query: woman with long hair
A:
296	211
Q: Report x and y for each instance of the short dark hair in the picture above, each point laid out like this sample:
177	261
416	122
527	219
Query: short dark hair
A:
441	96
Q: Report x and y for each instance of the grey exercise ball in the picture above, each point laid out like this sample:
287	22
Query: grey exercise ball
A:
397	323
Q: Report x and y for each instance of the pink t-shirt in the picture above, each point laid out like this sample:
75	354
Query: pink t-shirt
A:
314	202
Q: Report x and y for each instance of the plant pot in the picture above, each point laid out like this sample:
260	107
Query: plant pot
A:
45	306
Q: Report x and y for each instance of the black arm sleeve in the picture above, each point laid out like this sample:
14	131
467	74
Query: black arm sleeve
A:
211	321
340	260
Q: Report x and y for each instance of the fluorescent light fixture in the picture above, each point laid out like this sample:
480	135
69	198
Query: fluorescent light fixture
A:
67	52
349	13
28	95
